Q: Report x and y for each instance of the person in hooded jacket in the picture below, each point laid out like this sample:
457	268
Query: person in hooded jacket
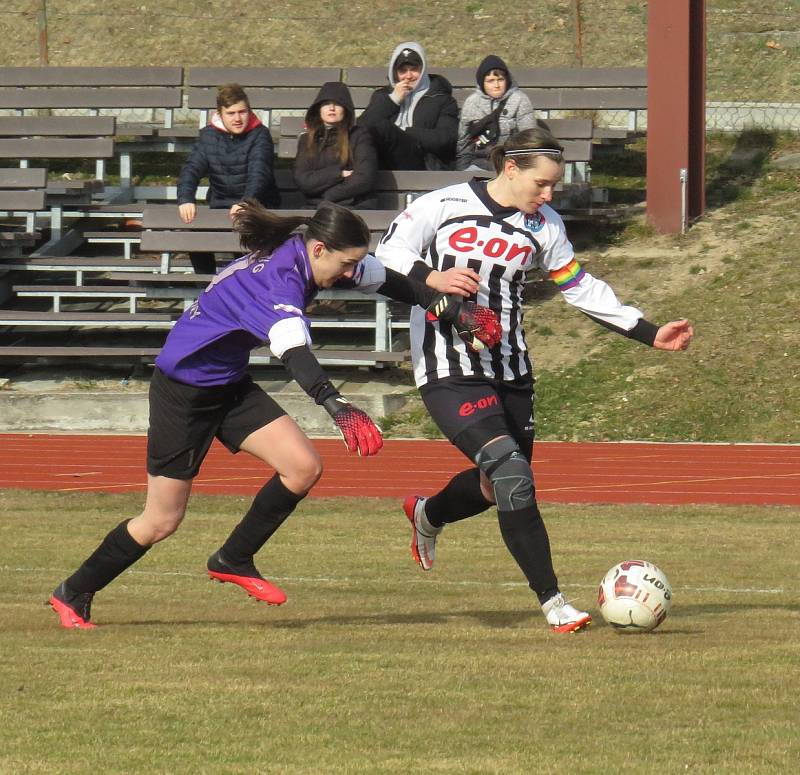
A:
496	110
413	120
336	160
235	151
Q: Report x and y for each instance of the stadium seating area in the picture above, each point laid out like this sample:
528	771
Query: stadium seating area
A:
94	270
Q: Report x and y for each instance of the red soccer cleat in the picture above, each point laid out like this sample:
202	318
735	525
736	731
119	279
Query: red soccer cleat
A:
247	577
74	611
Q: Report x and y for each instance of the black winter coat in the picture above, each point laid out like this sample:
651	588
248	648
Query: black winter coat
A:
435	120
319	174
237	166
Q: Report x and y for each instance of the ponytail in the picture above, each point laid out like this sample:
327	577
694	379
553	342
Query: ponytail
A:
334	226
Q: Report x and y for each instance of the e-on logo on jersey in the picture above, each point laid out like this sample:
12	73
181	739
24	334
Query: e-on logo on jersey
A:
500	242
470	407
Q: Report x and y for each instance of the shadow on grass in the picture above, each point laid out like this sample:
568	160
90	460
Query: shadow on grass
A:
492	619
740	169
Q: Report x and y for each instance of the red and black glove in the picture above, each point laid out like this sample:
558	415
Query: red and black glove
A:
478	326
360	434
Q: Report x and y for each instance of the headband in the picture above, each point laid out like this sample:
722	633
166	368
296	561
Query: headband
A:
554	152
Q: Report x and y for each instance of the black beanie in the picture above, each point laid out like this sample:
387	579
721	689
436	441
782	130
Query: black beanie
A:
491	62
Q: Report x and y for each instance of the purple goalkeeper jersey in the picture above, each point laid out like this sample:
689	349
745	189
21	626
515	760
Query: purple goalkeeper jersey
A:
251	301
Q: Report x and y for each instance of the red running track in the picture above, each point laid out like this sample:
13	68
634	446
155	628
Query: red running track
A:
565	472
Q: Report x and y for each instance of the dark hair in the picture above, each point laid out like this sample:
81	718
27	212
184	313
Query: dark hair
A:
334	226
536	138
315	132
230	94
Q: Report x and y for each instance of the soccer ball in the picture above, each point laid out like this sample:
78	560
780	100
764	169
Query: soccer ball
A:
634	596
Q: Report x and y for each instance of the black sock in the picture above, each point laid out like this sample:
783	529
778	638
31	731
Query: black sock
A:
526	537
271	506
117	552
460	498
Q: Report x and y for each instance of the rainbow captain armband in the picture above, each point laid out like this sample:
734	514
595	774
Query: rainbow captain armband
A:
568	276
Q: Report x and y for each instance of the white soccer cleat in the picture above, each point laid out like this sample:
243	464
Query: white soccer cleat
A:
563	617
423	534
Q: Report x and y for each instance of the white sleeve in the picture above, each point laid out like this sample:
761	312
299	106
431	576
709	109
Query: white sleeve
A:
578	288
597	298
371	274
286	334
409	235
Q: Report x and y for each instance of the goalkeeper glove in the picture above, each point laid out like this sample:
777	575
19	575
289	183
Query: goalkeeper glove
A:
358	431
478	326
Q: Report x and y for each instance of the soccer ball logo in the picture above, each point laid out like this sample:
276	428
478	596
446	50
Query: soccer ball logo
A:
634	596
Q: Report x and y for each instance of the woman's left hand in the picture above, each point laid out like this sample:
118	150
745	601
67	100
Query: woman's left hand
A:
347	173
458	279
676	335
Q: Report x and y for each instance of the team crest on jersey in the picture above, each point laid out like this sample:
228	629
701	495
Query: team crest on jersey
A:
535	222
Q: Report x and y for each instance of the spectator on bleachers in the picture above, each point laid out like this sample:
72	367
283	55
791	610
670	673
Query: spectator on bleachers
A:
336	160
496	110
413	120
235	151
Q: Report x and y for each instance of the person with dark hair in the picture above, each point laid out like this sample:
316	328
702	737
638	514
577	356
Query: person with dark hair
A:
496	110
413	120
336	160
480	239
236	153
201	390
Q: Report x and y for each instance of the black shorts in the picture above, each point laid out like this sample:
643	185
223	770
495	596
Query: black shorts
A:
185	419
470	411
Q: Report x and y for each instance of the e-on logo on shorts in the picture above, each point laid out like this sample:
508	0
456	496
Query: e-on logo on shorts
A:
470	407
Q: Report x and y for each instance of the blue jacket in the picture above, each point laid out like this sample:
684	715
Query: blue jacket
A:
237	166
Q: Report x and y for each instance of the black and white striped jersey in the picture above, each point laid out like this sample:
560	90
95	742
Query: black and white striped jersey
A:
462	225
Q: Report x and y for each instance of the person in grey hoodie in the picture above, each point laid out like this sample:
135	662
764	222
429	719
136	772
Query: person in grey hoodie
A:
413	120
496	110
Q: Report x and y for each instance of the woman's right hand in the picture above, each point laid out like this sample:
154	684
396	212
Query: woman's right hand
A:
187	211
347	173
459	280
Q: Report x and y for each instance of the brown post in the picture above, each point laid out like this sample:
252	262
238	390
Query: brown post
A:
41	20
675	113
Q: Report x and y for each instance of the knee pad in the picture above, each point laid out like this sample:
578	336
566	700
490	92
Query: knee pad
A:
509	472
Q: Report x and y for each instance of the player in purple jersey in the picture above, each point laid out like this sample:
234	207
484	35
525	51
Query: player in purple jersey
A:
201	390
480	239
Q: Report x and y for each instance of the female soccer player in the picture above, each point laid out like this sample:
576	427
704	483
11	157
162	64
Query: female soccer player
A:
479	239
201	390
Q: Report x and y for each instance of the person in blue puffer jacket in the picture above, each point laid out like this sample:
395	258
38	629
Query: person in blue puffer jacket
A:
235	151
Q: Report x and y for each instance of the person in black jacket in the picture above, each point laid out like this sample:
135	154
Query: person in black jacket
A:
235	151
414	120
336	160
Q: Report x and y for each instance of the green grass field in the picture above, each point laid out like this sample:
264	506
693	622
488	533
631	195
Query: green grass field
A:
374	667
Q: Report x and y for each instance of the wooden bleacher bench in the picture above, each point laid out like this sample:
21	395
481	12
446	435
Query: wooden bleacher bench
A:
112	319
22	195
156	90
211	231
58	292
93	89
81	266
60	137
259	357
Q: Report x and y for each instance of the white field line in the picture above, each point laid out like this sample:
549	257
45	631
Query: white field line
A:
57	572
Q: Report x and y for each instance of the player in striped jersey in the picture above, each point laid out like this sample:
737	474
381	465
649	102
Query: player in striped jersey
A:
480	239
